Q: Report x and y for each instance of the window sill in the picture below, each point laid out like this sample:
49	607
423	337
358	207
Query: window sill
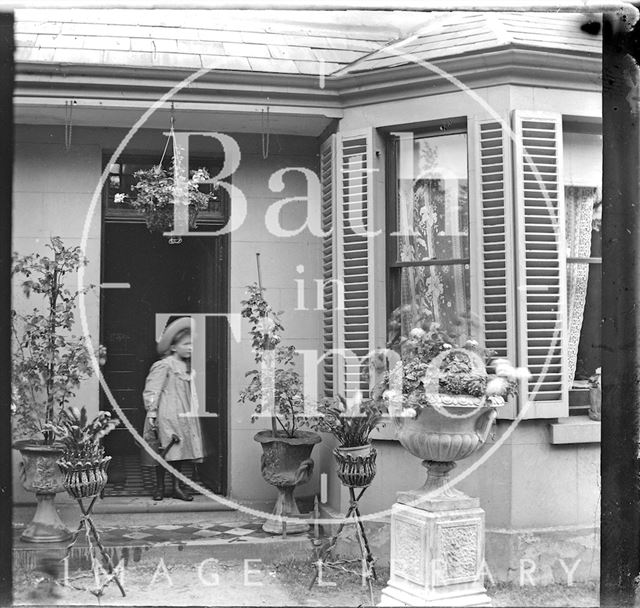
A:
575	429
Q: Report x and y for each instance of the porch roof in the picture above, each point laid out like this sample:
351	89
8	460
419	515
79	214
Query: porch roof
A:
284	42
454	34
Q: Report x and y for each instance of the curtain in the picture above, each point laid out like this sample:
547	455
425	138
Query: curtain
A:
579	204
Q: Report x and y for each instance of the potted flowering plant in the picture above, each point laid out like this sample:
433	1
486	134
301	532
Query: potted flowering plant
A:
83	462
442	400
154	196
275	389
48	364
351	422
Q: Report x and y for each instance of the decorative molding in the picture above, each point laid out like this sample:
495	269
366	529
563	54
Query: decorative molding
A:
409	564
458	550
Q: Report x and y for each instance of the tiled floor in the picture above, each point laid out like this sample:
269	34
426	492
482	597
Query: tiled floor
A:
191	533
128	478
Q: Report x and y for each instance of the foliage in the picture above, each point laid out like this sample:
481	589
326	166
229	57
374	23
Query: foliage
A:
351	423
82	439
155	196
48	361
275	387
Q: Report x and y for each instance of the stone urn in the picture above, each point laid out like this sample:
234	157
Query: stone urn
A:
286	463
450	428
40	473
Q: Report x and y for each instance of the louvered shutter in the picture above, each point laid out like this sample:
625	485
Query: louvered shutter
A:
355	255
329	291
496	239
540	261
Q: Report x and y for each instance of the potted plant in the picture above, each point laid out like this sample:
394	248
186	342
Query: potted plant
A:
275	389
595	395
154	196
48	364
351	422
442	401
83	462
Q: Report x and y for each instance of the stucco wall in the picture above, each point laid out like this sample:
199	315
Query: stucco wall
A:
52	194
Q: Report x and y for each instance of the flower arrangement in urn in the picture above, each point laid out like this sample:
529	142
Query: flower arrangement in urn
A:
83	462
275	389
155	196
427	362
442	400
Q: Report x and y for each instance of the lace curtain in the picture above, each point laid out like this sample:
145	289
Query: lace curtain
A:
433	224
579	204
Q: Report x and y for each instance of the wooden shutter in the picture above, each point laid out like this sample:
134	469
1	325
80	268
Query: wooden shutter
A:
329	291
540	256
355	254
496	243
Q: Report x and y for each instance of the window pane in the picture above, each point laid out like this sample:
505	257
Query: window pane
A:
584	281
433	204
435	294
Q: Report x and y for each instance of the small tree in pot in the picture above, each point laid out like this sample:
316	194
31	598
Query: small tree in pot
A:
48	364
276	390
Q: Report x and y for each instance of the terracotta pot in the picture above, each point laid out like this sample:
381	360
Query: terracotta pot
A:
84	479
40	474
285	464
595	403
451	428
356	466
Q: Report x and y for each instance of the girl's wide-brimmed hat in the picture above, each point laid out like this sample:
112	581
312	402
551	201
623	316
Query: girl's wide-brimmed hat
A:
170	331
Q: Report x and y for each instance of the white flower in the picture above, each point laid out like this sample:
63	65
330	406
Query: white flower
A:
446	346
119	198
417	333
471	343
409	412
504	368
521	372
496	386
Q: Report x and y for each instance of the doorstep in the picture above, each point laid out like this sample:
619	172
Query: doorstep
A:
224	536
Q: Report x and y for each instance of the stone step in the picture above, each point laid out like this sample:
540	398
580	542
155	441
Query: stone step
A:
190	542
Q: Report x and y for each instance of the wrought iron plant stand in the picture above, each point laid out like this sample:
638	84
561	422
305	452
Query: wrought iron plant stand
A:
356	473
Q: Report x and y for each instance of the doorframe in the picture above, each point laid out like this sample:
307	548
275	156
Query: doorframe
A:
223	304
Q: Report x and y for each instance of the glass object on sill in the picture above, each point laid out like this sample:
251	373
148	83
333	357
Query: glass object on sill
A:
436	294
433	206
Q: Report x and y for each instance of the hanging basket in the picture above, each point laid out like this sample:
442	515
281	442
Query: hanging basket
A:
84	478
356	469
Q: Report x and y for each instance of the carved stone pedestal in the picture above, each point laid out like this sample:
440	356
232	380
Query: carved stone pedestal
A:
437	553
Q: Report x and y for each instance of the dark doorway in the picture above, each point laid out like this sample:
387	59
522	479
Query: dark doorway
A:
190	277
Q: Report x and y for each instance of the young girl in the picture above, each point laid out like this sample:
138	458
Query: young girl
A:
167	394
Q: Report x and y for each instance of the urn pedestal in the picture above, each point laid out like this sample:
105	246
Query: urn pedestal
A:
40	474
437	532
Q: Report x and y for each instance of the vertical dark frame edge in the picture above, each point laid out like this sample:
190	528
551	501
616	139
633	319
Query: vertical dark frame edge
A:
6	187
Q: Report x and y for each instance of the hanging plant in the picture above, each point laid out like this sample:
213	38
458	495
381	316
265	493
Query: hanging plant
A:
155	196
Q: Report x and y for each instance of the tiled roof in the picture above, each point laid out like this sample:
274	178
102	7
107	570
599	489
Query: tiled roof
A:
259	41
282	41
454	34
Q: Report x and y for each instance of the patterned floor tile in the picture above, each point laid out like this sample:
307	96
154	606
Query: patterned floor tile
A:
168	527
239	531
137	535
206	533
